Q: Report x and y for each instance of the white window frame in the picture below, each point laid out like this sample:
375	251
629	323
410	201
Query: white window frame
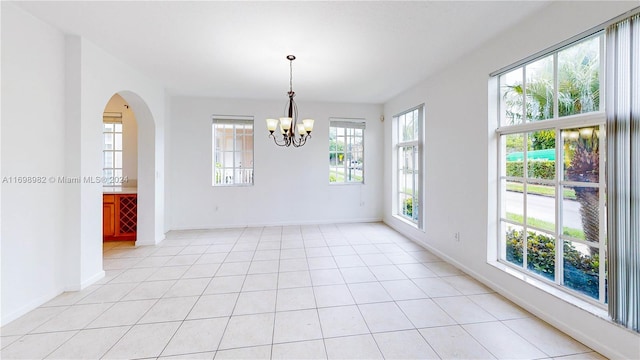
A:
344	123
114	118
418	181
592	119
241	175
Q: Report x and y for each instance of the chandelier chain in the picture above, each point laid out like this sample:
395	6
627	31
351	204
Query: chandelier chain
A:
290	75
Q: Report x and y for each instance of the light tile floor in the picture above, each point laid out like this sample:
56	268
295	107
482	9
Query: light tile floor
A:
349	291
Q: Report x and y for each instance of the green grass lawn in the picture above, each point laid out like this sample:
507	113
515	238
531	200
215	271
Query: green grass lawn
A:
541	190
545	225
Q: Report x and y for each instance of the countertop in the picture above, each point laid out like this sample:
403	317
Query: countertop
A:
119	190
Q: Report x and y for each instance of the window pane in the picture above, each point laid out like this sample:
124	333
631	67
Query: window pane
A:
541	254
239	142
581	268
108	141
513	201
579	78
581	213
406	205
406	182
513	236
333	158
514	154
541	207
539	89
541	154
107	160
107	127
409	129
118	141
117	127
415	210
581	154
334	176
341	149
247	158
407	157
118	159
218	175
511	97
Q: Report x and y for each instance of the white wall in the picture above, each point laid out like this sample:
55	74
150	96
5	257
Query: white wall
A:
33	121
101	76
57	87
291	184
460	185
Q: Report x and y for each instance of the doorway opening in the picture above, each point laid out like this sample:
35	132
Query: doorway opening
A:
119	174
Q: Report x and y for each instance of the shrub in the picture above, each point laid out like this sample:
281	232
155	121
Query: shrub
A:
580	271
408	207
541	169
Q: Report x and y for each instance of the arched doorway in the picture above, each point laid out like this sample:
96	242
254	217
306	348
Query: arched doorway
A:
138	163
119	173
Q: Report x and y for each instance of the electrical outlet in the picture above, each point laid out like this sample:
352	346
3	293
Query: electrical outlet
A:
456	236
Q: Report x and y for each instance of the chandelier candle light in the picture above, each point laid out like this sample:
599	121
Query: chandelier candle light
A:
293	133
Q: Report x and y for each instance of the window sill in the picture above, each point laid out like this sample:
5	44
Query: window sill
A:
408	222
345	183
231	185
596	310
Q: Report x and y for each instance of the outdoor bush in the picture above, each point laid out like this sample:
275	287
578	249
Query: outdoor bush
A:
540	169
408	207
580	271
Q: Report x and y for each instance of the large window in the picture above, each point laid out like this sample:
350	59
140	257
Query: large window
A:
232	151
552	184
346	151
112	148
408	148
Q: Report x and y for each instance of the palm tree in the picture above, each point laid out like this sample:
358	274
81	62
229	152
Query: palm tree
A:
584	166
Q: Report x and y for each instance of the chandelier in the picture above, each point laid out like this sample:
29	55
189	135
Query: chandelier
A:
292	132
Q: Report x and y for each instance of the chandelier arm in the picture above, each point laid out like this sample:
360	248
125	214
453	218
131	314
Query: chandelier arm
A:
275	140
301	141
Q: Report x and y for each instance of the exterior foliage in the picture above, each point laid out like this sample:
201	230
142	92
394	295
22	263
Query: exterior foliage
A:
408	207
584	167
580	270
542	169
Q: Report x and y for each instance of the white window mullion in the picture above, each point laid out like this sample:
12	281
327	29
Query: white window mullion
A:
602	215
556	85
525	175
233	153
559	258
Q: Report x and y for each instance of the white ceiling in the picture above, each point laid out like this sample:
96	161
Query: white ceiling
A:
346	51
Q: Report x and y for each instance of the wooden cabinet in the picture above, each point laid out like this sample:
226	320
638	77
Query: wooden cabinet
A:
119	216
108	216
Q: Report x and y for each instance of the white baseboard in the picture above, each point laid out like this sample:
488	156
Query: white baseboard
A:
92	280
278	223
7	318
